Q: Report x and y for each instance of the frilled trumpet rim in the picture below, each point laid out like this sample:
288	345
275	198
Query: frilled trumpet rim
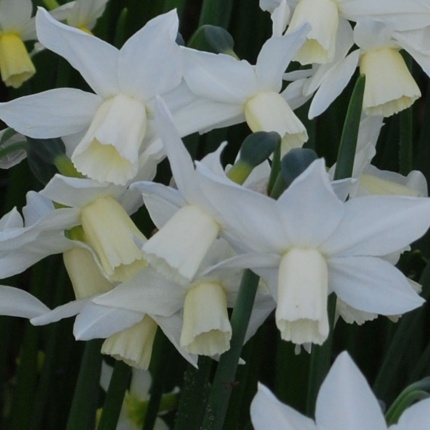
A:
179	247
109	151
323	17
111	232
301	312
134	344
390	87
15	63
206	329
269	111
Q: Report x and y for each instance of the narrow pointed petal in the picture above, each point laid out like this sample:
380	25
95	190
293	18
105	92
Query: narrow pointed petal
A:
275	56
99	322
372	285
53	113
180	160
15	14
60	312
333	84
93	58
147	292
309	199
241	211
18	303
219	77
378	225
267	412
150	62
345	400
171	327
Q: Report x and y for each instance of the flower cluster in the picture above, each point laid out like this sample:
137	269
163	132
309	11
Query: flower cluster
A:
321	245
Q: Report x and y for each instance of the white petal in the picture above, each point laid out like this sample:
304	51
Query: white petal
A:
60	312
219	77
78	192
147	292
372	285
241	212
379	225
309	199
150	61
333	84
416	416
93	58
204	115
85	13
181	164
171	327
18	303
275	56
267	412
15	14
345	400
95	321
53	113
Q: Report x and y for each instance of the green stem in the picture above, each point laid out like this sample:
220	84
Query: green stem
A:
405	148
320	360
194	395
348	140
403	402
118	385
84	405
160	357
224	377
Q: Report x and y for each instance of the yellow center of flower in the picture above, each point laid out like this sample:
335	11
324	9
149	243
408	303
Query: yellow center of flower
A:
301	313
111	232
323	17
15	63
179	247
109	151
206	329
269	111
134	344
378	186
390	87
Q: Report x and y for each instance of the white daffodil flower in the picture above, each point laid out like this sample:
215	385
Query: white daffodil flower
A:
186	227
113	122
233	91
341	255
345	401
128	334
390	86
103	212
328	19
203	301
16	27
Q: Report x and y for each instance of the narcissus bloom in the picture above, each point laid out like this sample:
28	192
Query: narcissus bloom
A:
112	123
16	27
345	401
305	260
329	20
390	86
233	91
